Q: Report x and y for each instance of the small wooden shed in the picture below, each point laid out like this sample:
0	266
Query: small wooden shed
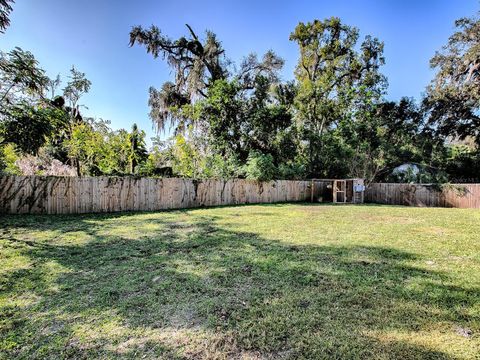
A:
342	191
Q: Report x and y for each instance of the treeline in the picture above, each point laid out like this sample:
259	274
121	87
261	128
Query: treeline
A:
45	133
242	120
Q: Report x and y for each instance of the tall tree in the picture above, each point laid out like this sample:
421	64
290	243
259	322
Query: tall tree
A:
333	77
453	97
196	65
20	77
27	117
77	86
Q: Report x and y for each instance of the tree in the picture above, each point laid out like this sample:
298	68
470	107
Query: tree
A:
158	162
453	97
116	156
99	150
27	117
20	76
186	159
29	127
333	78
138	153
86	146
240	121
384	137
220	113
197	65
224	111
77	86
268	124
5	10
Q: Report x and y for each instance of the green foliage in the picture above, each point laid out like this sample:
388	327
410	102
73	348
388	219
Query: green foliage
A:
239	123
222	168
8	157
462	163
335	80
260	167
223	110
380	137
20	76
5	10
291	171
196	63
85	145
77	86
412	174
28	118
234	121
29	127
452	102
101	151
158	160
138	150
186	158
453	97
330	122
115	154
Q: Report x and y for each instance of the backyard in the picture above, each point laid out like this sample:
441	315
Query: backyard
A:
250	282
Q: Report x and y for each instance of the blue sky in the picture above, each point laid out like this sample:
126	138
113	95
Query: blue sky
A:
93	35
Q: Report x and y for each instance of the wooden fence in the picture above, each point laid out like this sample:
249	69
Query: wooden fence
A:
69	195
455	195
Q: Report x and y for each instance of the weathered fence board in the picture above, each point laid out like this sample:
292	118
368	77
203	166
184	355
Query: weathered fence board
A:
455	195
69	195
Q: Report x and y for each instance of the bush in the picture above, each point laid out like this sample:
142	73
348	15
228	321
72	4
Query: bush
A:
413	173
260	167
291	171
8	159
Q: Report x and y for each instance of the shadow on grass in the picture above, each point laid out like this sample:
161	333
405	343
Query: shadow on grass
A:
195	289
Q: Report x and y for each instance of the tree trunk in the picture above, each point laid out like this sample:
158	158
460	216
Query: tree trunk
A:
133	165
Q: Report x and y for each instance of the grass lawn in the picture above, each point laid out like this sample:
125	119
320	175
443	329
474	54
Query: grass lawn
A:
250	282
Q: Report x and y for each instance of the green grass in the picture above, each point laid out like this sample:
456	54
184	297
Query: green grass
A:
248	282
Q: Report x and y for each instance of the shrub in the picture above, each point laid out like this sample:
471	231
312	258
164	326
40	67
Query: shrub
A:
260	167
291	171
8	158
